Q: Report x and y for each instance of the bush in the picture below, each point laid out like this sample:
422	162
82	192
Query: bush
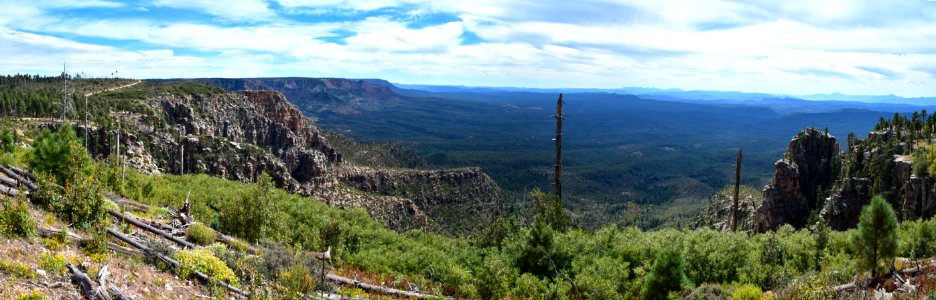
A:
252	213
34	295
298	281
7	141
747	292
666	275
15	220
202	260
51	262
200	234
876	238
60	154
707	292
17	270
540	255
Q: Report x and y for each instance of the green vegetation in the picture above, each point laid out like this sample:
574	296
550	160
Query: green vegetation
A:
747	292
202	260
667	274
14	218
60	155
876	239
17	270
251	214
200	234
34	295
52	262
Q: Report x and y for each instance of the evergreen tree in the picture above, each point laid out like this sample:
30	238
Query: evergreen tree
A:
876	238
667	274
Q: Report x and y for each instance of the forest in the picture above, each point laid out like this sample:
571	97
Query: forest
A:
516	256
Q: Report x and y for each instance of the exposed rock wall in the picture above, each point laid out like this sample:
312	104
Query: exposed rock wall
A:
811	164
240	135
842	209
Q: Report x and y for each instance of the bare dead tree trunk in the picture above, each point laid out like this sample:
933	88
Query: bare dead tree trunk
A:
737	193
558	165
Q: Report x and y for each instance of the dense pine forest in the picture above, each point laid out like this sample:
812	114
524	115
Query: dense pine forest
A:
524	255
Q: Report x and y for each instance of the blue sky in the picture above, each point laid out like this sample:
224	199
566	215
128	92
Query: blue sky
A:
787	47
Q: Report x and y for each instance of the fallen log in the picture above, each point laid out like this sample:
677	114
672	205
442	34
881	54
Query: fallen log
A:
5	190
116	294
18	178
175	264
370	288
230	241
49	232
126	202
10	182
135	222
908	272
83	282
22	172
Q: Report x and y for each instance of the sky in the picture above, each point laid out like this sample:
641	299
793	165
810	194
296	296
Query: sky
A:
793	47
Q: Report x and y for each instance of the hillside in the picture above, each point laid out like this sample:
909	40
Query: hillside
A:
287	230
628	159
181	128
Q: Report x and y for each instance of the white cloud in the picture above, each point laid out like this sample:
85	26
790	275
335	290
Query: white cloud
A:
795	46
237	10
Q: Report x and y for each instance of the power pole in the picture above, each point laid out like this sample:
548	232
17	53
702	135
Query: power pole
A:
737	193
558	165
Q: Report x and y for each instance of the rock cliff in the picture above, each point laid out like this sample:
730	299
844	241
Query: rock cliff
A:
810	165
239	135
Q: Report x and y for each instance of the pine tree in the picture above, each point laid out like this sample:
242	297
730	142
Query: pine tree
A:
876	239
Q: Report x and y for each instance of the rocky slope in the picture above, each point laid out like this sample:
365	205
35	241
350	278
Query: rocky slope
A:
815	177
344	96
239	135
809	166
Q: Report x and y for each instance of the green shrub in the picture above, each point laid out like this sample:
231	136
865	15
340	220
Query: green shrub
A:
15	220
17	270
34	295
298	281
747	292
52	262
60	154
7	141
540	255
707	291
666	275
201	260
252	214
200	234
876	238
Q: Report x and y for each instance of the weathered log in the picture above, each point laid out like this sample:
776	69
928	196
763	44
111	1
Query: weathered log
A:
22	172
126	202
175	264
18	178
83	282
10	182
116	294
908	272
135	222
49	232
9	191
377	289
230	241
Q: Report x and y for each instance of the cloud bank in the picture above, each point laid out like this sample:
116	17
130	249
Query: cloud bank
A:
788	47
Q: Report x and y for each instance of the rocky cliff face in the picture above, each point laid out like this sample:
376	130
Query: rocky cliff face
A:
811	164
877	165
842	209
344	96
240	135
717	213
